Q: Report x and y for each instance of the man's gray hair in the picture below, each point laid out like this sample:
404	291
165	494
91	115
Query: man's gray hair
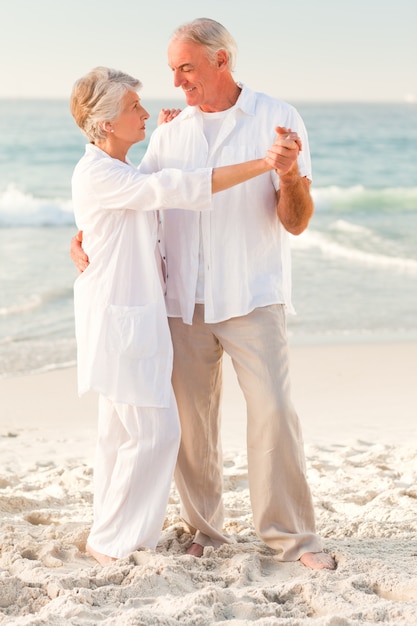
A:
210	34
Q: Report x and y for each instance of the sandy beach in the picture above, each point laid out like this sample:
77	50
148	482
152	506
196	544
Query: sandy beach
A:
358	408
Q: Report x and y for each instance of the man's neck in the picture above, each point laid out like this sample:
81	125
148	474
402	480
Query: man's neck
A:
228	98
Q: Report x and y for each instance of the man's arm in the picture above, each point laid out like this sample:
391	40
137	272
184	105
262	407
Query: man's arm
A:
294	202
77	253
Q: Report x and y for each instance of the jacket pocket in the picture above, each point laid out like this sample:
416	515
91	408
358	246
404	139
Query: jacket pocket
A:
131	331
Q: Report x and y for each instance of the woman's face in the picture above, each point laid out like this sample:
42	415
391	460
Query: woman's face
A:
129	127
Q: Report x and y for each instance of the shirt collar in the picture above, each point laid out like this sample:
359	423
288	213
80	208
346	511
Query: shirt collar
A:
246	103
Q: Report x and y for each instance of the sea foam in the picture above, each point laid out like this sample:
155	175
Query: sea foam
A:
18	208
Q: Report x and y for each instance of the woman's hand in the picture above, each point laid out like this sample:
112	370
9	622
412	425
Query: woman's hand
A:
167	115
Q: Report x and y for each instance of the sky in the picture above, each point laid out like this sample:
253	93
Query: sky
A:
298	50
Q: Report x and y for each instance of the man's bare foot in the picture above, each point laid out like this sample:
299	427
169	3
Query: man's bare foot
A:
195	550
318	560
103	559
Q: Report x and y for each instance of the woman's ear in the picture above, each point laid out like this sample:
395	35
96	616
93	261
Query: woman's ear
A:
106	127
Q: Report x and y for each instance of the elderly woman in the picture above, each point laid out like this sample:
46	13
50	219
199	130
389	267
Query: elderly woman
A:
123	339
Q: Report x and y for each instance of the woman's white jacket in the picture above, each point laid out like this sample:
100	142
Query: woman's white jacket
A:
124	348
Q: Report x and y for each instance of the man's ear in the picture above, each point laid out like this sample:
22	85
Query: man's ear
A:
222	59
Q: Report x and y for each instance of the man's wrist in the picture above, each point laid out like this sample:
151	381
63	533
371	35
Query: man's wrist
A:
290	178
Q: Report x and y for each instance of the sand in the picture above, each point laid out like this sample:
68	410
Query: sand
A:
358	407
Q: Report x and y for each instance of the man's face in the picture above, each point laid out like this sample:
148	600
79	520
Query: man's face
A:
195	74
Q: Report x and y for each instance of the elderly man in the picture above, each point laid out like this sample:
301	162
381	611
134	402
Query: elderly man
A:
229	289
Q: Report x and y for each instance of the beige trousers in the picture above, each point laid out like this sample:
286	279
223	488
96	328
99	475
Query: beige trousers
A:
280	497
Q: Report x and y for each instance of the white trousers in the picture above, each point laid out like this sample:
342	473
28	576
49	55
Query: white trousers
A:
135	458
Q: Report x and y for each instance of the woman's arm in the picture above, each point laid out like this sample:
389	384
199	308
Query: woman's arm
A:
222	178
230	175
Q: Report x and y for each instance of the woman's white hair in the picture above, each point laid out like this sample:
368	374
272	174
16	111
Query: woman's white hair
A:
210	34
96	98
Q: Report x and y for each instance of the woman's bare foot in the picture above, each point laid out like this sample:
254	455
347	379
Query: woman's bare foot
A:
318	560
103	559
195	550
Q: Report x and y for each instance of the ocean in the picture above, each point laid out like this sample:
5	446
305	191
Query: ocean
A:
354	269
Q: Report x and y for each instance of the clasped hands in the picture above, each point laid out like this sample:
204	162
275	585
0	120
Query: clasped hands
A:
283	153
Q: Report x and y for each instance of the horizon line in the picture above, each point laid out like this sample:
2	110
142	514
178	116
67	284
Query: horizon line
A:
405	100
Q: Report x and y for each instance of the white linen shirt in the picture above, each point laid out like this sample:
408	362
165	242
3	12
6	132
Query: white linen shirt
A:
246	248
123	340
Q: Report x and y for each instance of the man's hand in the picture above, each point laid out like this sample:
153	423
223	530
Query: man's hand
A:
284	152
77	253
